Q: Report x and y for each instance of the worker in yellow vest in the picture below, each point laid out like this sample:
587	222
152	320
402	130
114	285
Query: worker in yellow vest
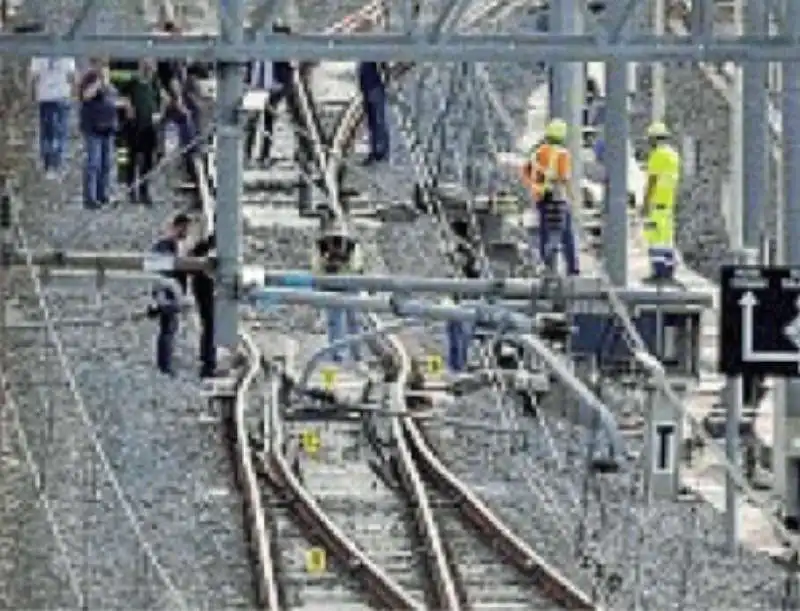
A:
547	175
663	176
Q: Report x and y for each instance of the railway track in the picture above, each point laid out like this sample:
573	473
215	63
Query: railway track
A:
374	526
332	488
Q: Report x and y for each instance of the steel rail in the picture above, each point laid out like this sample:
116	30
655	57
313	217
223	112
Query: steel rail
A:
247	480
307	512
241	453
547	579
278	469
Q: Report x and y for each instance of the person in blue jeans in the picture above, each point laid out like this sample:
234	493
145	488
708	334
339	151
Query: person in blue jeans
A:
52	79
338	253
53	125
167	294
373	93
459	338
98	125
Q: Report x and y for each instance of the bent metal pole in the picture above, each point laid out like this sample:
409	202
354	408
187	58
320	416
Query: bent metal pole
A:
481	314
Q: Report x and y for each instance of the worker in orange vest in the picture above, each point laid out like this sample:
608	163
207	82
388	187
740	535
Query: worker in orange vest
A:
547	176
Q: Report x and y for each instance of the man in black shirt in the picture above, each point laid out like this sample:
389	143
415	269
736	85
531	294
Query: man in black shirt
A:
140	131
203	291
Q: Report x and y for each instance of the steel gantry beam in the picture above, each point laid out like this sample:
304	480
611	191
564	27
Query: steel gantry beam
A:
491	48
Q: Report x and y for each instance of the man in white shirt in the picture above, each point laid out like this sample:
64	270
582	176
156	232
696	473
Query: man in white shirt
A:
53	80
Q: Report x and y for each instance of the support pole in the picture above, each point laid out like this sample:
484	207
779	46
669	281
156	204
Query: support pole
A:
659	109
755	130
615	230
745	218
733	403
6	243
568	79
229	179
789	467
734	207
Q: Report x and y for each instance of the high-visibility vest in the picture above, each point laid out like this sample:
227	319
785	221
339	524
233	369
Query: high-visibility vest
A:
548	172
664	163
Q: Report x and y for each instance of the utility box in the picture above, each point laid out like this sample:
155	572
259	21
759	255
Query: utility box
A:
671	331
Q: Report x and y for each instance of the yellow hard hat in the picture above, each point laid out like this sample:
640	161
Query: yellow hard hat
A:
657	130
556	130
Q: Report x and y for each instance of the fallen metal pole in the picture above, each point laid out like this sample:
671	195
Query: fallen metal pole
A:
509	288
110	260
347	341
487	315
407	308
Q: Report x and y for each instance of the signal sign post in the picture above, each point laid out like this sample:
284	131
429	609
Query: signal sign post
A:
760	321
661	447
760	334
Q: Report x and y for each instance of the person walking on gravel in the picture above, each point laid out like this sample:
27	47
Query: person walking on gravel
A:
98	124
168	292
140	132
277	78
53	79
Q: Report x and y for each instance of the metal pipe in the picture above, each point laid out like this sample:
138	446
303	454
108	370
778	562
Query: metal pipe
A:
568	86
659	105
493	48
347	341
509	288
229	180
480	314
133	261
755	131
617	130
733	403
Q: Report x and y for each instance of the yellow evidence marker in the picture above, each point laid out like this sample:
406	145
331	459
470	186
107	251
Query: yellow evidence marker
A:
316	560
328	378
435	364
310	442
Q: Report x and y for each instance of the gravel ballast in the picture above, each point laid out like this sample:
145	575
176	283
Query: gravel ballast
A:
149	516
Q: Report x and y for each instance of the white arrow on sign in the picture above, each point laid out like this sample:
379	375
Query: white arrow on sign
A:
748	303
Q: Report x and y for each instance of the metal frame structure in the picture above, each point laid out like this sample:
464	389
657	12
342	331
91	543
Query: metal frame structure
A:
614	44
403	47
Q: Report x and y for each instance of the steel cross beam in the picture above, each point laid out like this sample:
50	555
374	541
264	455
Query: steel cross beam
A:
100	262
508	288
491	48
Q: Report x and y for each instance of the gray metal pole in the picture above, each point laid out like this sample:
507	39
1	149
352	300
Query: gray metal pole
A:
567	98
791	229
617	129
733	404
755	130
659	108
508	288
229	179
